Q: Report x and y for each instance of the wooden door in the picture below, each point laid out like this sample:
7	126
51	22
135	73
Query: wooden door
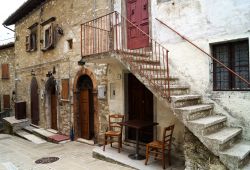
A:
53	109
34	102
137	13
84	114
140	106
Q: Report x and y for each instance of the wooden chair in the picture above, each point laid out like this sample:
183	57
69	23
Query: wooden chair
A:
159	148
114	131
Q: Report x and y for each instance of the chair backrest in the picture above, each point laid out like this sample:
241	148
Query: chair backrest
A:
167	136
114	119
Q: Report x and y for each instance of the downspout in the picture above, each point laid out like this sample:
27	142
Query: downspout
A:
8	28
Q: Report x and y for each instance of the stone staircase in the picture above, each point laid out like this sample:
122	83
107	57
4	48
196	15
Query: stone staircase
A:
39	135
211	129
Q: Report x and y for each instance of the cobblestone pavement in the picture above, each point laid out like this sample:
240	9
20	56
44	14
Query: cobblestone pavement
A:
17	153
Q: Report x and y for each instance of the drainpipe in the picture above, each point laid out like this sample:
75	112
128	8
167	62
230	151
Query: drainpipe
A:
8	28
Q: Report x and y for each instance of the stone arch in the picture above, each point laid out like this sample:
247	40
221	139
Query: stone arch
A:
85	72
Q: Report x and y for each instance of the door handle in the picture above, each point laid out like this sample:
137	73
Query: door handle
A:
145	6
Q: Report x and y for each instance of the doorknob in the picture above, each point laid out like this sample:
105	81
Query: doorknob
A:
145	6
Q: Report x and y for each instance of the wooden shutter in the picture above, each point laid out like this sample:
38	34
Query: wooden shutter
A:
27	43
5	71
65	89
6	101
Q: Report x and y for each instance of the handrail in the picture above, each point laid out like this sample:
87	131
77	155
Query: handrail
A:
183	37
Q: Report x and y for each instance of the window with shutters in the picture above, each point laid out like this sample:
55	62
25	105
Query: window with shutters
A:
6	101
31	39
65	89
234	55
5	71
48	37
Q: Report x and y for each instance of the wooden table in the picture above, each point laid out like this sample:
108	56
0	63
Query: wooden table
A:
137	124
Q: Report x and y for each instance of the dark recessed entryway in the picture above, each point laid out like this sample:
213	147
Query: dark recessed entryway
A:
139	106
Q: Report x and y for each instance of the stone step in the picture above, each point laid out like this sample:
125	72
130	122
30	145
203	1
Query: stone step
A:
224	135
239	150
29	129
144	60
236	155
184	97
43	133
205	122
30	137
185	100
163	77
193	109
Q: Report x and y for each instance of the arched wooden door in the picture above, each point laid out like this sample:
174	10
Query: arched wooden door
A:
34	102
53	107
85	117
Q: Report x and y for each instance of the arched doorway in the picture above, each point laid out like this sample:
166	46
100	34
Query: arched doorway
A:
85	116
51	102
34	102
85	105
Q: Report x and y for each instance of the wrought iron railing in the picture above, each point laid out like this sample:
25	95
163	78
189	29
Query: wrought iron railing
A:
109	33
203	51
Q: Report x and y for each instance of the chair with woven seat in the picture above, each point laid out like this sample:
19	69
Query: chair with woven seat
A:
159	148
114	131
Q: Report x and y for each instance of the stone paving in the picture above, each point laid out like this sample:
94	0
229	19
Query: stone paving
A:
17	153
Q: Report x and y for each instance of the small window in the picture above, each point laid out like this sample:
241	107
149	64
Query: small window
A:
6	101
234	55
5	71
48	37
65	89
31	39
70	44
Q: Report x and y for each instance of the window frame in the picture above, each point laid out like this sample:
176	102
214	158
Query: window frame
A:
231	60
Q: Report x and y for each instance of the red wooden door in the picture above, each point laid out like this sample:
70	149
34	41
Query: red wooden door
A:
34	102
137	13
53	110
84	114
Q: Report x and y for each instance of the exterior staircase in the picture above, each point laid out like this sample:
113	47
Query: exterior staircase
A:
39	135
151	66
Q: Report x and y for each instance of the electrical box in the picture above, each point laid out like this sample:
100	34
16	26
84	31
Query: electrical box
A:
102	91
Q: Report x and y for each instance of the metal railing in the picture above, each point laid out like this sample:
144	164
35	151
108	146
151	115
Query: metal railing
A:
203	51
110	33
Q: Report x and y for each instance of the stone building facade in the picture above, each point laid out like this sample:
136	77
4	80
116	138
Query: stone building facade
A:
55	82
7	83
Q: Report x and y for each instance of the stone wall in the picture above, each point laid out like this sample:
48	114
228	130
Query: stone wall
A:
197	156
7	86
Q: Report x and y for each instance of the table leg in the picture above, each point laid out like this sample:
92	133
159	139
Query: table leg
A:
137	156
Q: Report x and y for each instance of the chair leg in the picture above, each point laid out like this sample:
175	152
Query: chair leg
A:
163	159
111	139
105	142
147	154
169	157
156	153
119	145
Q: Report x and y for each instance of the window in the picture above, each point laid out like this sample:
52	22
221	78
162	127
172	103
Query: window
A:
31	39
234	55
6	101
70	44
65	89
48	37
5	71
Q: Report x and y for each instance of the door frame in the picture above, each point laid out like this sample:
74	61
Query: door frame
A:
51	82
126	108
124	13
81	72
34	83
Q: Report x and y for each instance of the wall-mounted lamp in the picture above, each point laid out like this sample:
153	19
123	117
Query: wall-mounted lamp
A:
49	74
81	62
33	72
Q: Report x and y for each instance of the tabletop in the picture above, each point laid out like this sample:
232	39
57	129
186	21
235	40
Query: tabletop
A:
138	124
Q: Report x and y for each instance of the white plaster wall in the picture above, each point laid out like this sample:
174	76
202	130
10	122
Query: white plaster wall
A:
204	22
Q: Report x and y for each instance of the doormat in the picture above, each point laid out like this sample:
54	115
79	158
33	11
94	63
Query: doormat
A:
46	160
